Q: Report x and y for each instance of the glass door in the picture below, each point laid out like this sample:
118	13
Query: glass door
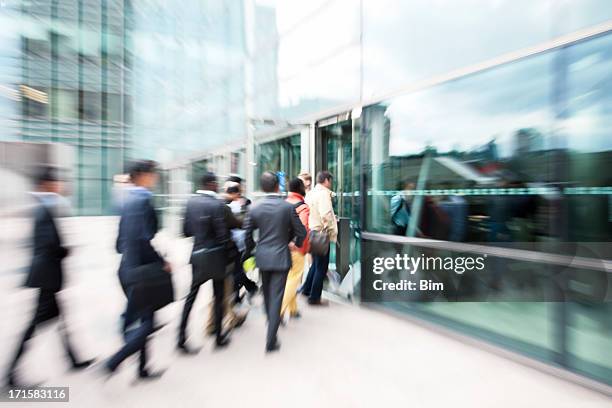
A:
337	144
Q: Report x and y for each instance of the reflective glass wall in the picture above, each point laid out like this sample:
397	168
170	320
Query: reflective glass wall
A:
517	156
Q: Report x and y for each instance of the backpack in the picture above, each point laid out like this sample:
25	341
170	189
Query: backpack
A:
305	248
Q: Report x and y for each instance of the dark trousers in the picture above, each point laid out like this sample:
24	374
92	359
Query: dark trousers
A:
313	287
135	335
136	330
218	293
47	309
241	280
273	283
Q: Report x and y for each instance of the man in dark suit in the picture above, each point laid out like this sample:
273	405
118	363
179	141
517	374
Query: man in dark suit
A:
278	225
205	220
46	272
137	227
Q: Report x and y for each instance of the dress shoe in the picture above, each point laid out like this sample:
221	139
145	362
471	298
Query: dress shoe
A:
239	320
188	351
146	375
295	315
222	341
318	302
274	347
79	365
158	327
103	371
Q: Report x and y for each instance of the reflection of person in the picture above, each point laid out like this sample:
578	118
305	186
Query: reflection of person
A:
205	206
296	198
456	207
278	225
400	209
137	227
46	272
322	219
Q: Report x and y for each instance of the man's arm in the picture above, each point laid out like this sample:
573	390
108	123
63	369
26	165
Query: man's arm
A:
328	218
231	220
249	226
220	225
187	230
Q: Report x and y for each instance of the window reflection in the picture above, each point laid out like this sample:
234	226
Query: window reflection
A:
519	153
282	155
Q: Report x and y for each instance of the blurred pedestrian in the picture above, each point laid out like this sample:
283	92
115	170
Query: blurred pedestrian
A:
46	270
239	206
278	225
322	220
307	179
232	316
205	221
137	227
294	279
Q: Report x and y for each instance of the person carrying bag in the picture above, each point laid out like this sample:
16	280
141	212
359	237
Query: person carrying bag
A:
205	221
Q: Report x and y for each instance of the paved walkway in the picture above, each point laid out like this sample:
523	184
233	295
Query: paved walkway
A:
341	356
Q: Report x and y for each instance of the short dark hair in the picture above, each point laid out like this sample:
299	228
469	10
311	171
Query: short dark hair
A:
139	167
46	173
233	189
296	185
323	176
269	182
235	178
208	178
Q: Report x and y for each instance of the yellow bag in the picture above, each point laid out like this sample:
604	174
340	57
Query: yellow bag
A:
249	264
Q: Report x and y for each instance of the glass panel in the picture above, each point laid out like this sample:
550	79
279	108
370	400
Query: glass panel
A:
587	127
407	41
282	155
438	160
590	339
575	15
67	104
198	169
90	105
339	162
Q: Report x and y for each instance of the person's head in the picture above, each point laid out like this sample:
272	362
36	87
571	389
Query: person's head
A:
325	178
269	182
143	173
296	185
47	180
209	181
234	178
232	190
406	185
307	179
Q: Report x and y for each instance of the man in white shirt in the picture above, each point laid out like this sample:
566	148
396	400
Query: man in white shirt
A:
322	219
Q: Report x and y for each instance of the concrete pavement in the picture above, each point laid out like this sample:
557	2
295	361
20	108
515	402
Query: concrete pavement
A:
341	356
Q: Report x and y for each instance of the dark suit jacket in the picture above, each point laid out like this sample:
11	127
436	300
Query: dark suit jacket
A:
137	227
278	224
46	267
205	220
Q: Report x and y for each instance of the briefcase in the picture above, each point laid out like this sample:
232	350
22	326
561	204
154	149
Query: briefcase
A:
149	288
208	263
319	243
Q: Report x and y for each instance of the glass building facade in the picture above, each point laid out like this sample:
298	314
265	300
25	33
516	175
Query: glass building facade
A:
65	76
487	123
